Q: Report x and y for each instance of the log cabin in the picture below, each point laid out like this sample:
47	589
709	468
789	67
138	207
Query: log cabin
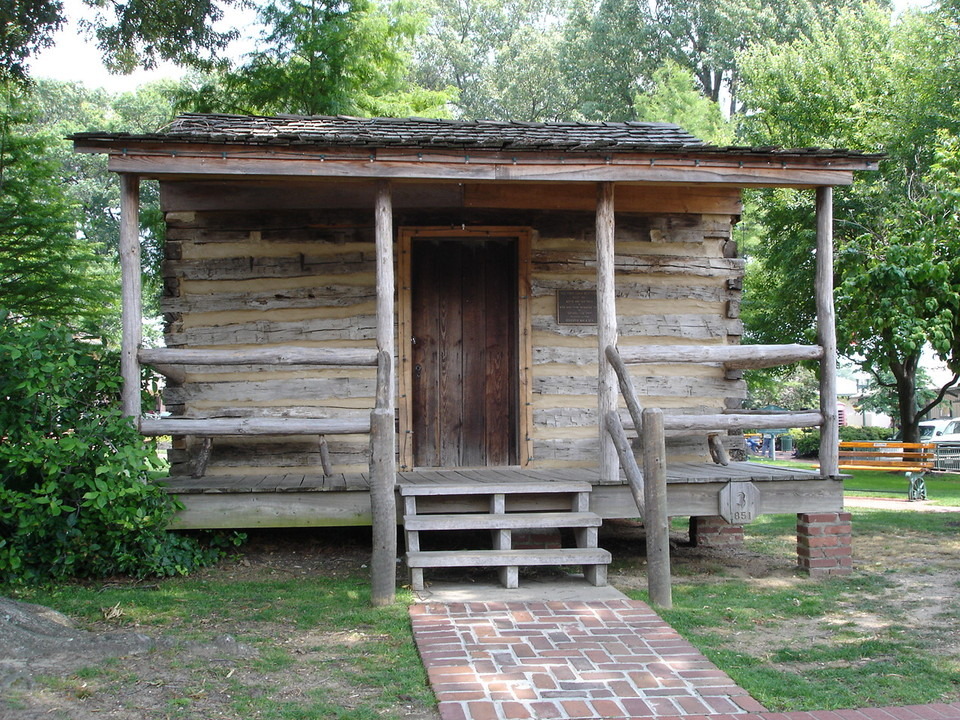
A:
442	324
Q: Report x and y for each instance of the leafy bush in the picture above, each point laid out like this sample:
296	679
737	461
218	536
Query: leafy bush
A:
807	440
75	496
849	433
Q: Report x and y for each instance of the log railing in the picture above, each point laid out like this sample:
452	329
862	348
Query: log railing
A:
649	486
165	358
173	362
732	356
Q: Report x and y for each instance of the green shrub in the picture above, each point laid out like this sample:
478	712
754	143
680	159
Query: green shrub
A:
807	440
75	496
848	433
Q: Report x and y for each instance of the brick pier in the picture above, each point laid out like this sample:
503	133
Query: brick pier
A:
824	543
713	531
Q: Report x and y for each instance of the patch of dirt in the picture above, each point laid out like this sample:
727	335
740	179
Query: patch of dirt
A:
920	585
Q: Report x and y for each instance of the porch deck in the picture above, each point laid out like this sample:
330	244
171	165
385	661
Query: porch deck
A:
312	499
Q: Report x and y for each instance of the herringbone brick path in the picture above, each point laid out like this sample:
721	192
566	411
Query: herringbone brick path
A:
587	659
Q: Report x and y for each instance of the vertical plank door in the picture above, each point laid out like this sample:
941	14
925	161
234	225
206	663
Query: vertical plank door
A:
464	352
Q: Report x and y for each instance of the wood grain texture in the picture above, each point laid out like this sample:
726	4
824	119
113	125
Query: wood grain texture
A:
649	199
607	324
827	335
466	298
252	426
448	166
282	355
733	356
131	294
656	519
230	307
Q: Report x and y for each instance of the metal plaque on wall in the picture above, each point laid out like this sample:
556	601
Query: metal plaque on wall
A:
577	307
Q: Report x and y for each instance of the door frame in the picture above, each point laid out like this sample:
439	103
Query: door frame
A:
523	236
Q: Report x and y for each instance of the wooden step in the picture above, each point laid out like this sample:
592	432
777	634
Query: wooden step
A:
501	521
505	488
504	558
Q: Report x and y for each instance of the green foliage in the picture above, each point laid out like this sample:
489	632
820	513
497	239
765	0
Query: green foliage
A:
25	28
822	89
324	57
675	99
63	108
806	441
526	82
46	271
796	389
898	285
880	394
608	59
129	33
497	59
74	493
141	33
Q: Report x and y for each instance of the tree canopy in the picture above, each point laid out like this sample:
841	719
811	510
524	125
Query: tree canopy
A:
46	270
323	57
129	33
878	86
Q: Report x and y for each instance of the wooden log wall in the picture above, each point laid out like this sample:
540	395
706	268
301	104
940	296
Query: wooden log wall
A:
237	278
678	281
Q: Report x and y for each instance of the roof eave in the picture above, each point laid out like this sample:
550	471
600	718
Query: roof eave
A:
747	167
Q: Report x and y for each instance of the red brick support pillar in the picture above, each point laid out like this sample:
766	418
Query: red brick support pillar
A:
714	531
824	543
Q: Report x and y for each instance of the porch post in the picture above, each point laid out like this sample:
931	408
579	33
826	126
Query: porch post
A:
131	295
383	457
386	283
606	328
827	336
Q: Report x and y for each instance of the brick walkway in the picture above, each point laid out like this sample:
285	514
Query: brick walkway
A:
597	659
587	659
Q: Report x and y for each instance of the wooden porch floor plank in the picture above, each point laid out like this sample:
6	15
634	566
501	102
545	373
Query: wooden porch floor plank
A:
576	475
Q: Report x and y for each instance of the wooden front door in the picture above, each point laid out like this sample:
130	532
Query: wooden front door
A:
464	351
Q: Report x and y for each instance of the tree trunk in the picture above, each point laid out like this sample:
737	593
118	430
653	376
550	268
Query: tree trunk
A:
905	373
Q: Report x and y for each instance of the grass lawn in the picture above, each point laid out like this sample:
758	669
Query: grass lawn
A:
942	488
889	634
317	649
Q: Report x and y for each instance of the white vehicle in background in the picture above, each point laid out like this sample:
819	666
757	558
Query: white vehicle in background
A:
933	430
948	445
948	432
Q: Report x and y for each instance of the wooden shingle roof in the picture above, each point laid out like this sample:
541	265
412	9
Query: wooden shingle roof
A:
463	151
432	134
421	133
